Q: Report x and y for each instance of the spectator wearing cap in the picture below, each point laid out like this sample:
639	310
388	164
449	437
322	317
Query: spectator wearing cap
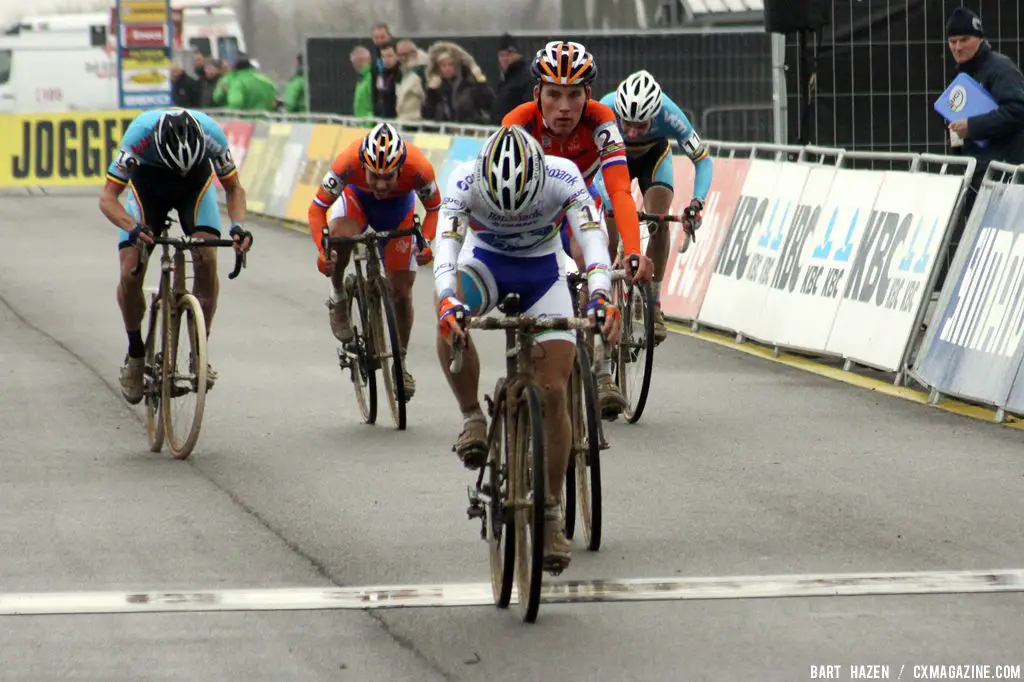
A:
516	85
1003	127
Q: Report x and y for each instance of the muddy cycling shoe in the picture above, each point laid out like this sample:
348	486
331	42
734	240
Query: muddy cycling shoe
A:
338	313
132	379
409	383
471	446
660	331
557	548
211	376
609	398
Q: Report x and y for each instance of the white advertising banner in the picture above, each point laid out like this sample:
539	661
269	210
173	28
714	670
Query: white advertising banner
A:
894	253
804	300
750	255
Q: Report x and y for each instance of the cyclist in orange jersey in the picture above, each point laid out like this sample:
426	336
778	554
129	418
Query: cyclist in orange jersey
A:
570	124
375	182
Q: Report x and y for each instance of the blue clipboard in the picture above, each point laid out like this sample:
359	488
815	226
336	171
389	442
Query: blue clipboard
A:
965	97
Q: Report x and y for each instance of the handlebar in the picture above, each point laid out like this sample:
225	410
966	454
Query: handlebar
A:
523	323
190	243
669	218
368	237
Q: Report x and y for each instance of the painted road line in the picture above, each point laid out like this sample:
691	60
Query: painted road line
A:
852	378
479	594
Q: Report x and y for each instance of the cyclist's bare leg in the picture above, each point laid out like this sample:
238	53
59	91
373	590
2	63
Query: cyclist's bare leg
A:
553	362
337	304
658	199
613	238
471	445
401	295
132	303
130	298
206	286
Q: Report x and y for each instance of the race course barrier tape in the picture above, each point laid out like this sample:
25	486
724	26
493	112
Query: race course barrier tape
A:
805	249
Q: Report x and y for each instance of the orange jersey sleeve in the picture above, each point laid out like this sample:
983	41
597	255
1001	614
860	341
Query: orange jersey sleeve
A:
611	149
345	165
417	175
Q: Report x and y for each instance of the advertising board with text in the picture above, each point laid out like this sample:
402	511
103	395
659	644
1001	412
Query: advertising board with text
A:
973	346
687	275
144	53
750	256
804	298
261	171
893	257
238	133
54	150
286	172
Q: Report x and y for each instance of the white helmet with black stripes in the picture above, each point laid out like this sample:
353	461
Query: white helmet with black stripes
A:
510	170
638	99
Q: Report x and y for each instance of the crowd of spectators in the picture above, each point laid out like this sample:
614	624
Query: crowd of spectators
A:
444	83
212	83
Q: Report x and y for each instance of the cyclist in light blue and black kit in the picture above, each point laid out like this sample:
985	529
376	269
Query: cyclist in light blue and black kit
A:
648	120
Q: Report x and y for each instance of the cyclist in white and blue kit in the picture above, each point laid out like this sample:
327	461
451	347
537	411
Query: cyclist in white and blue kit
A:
499	232
648	119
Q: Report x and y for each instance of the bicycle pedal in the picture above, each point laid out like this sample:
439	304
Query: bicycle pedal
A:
475	512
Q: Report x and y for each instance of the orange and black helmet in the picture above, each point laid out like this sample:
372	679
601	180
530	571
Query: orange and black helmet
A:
564	63
382	150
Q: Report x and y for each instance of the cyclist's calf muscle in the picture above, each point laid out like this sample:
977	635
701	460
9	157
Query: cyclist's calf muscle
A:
658	199
553	362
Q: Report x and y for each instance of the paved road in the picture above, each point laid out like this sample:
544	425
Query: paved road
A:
741	467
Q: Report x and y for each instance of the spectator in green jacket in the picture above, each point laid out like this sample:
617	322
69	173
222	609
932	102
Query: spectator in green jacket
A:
295	89
362	99
244	88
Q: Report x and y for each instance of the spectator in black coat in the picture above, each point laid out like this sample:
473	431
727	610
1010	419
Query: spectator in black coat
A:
1002	128
457	90
185	90
516	84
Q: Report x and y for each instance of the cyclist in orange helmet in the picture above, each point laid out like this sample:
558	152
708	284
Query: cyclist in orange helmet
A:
569	124
375	181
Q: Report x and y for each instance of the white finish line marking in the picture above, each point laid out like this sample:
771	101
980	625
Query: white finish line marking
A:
479	594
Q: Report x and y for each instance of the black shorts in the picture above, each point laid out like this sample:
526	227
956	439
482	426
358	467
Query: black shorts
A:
156	191
645	168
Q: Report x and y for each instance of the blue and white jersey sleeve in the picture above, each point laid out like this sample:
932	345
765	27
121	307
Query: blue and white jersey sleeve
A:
136	147
609	101
580	211
218	151
452	223
674	123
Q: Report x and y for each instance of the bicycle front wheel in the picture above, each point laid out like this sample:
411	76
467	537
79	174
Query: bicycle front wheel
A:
635	358
184	378
528	493
153	376
392	372
356	355
583	478
500	526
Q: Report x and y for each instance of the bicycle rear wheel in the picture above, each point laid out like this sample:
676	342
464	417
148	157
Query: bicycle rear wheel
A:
356	354
184	376
528	492
152	386
583	478
634	361
394	377
500	527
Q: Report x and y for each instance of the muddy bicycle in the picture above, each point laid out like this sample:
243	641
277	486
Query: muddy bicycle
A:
368	289
511	488
170	377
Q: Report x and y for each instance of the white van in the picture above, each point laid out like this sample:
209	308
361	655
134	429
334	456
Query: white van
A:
56	73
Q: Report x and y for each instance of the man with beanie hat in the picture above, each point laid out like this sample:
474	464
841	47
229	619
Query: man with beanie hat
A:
516	84
1001	128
